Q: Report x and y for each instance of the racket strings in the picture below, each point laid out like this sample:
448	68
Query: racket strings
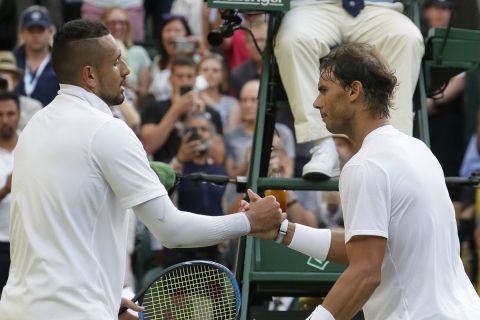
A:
193	292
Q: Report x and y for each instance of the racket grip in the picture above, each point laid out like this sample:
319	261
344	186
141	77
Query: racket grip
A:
122	310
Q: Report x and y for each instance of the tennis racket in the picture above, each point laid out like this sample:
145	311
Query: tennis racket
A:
193	290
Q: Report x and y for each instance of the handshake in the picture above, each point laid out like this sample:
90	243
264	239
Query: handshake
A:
264	214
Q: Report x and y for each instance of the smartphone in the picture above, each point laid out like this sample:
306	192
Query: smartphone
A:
182	44
193	134
185	89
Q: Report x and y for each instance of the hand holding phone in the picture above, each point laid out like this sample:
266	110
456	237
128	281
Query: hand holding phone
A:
193	134
185	89
184	45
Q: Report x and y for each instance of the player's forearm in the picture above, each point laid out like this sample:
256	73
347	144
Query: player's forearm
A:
350	292
175	228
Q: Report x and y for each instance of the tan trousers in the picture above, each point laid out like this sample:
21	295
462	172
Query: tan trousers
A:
308	32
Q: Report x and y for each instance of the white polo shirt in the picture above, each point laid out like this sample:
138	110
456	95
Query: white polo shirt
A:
76	171
395	188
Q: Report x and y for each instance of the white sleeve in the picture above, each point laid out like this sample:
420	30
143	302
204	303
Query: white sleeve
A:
176	229
366	198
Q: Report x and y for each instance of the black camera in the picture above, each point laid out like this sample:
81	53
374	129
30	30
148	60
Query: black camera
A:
193	134
3	84
185	89
231	22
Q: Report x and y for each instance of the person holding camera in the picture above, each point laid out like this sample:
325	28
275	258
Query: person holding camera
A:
193	196
175	39
163	121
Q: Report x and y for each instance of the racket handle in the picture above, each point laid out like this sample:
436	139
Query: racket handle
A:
122	310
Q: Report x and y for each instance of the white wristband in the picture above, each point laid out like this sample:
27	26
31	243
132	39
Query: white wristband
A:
320	313
312	242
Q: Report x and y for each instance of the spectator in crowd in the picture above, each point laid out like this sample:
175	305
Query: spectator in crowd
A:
33	56
197	197
54	7
213	68
162	121
9	120
238	140
251	68
118	23
437	13
308	31
444	108
281	159
173	27
93	10
12	74
192	10
155	10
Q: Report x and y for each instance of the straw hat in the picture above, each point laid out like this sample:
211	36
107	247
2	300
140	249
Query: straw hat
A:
9	63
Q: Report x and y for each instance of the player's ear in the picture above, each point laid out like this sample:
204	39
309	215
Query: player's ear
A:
355	90
89	76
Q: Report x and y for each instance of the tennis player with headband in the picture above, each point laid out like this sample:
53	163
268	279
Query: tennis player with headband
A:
400	240
77	169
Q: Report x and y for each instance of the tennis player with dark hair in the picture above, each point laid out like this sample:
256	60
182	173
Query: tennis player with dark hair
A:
76	170
400	240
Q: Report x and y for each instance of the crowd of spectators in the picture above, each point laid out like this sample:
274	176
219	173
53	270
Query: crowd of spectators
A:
192	105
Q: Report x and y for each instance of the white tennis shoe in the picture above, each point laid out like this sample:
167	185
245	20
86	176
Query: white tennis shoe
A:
324	163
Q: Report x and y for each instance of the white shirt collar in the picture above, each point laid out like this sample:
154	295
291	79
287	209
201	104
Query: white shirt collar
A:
81	93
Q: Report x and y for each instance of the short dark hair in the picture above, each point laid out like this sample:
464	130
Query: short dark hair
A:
63	52
183	61
167	19
361	62
6	95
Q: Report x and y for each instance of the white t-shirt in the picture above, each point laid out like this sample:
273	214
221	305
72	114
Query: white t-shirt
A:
76	171
395	188
6	168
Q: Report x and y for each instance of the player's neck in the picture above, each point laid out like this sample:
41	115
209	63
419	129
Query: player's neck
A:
363	127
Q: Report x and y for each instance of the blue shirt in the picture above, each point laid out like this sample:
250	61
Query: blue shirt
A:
199	197
471	160
47	83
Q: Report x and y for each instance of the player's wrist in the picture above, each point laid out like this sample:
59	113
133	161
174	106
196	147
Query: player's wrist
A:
311	241
282	231
320	313
290	232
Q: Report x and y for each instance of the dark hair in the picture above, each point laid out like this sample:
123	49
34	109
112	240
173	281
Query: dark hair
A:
69	33
201	115
361	62
183	61
6	95
167	18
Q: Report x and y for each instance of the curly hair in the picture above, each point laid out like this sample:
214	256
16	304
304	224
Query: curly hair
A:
362	62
